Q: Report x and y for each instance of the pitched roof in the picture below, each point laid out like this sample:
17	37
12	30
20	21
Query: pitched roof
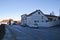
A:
42	13
5	20
35	12
50	15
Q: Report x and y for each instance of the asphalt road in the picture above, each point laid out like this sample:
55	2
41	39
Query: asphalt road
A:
16	32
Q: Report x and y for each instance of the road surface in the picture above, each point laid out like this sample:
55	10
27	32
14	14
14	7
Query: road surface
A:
17	32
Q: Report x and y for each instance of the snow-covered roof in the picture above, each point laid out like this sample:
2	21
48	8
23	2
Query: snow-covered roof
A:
35	12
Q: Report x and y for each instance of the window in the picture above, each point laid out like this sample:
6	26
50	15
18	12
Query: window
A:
38	12
42	21
50	19
36	21
23	18
46	20
54	19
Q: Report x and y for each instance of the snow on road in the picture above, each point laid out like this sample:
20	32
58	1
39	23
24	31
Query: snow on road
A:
16	32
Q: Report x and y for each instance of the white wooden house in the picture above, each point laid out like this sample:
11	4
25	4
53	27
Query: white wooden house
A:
39	19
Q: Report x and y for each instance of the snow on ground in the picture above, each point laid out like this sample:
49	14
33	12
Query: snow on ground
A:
16	32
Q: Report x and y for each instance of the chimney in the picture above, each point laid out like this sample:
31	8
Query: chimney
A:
52	13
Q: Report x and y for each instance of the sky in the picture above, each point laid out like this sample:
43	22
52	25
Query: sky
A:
13	9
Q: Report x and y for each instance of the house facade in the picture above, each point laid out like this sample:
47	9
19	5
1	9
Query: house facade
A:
39	19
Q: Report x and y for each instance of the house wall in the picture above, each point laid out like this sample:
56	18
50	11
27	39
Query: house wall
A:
23	19
47	24
29	20
36	17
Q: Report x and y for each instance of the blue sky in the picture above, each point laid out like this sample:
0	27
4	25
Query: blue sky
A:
15	8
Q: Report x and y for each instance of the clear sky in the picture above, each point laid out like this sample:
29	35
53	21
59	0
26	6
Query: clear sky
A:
15	8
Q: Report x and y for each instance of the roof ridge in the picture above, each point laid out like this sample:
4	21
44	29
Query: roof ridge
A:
34	12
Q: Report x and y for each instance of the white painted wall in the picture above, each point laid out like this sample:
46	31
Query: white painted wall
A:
49	24
46	24
30	20
22	19
36	16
